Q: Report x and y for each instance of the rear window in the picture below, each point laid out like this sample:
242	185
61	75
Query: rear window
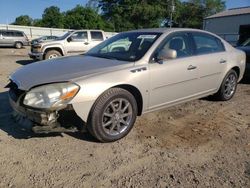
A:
18	34
206	44
12	33
7	33
96	35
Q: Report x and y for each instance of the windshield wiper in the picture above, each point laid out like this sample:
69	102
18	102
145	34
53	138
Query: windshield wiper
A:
102	56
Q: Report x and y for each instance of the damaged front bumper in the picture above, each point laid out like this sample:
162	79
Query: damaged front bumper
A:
37	116
45	121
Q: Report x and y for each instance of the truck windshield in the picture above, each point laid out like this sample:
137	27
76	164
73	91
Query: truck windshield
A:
64	36
130	46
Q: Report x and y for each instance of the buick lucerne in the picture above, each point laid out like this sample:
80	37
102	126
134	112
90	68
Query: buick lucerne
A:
124	77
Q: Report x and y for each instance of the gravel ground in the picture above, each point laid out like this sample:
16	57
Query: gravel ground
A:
197	144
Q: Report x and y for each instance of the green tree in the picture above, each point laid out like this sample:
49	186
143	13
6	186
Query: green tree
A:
213	7
191	13
83	18
133	14
52	17
37	22
23	20
210	6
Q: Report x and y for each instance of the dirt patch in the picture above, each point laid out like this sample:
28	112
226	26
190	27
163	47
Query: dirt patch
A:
197	144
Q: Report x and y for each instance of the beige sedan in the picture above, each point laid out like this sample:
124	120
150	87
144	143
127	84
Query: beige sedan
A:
127	75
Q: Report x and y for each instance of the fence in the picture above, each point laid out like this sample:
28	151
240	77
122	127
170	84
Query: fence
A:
35	32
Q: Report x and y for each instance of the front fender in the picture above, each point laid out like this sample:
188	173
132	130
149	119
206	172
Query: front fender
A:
93	87
54	46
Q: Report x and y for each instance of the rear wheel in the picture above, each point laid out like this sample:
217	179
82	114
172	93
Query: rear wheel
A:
18	45
113	115
228	86
52	54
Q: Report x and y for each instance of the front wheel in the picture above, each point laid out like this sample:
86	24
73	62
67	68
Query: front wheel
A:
52	54
228	86
113	115
18	45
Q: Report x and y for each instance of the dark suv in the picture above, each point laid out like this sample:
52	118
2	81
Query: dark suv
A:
18	39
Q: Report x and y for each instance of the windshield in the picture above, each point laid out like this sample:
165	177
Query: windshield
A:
130	46
64	36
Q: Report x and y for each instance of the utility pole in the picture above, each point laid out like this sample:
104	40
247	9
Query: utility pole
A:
172	10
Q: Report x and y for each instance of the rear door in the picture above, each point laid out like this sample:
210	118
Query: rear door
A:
96	37
212	57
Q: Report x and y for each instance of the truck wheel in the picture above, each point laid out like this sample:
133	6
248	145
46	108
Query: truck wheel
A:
18	45
228	86
52	54
113	115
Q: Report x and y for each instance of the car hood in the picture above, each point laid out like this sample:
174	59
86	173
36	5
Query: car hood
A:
63	69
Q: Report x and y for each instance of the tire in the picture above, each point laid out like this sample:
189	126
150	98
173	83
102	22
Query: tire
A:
18	45
51	54
113	115
228	87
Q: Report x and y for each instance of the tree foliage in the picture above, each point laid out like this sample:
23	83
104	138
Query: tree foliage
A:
191	13
23	20
122	15
83	18
52	17
133	14
210	7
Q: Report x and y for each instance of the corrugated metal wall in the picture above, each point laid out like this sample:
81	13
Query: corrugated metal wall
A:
227	27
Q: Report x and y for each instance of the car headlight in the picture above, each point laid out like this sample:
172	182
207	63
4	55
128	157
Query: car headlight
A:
51	96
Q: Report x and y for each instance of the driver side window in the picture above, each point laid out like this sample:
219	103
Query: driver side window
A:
79	36
179	43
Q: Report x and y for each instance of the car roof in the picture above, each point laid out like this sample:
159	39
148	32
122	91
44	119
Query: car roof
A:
166	30
86	30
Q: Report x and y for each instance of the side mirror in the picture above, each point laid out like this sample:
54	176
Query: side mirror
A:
69	39
165	54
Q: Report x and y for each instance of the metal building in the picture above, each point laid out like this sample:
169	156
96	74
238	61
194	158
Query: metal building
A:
233	25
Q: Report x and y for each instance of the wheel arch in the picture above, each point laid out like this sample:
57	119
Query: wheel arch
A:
18	41
237	70
53	48
136	93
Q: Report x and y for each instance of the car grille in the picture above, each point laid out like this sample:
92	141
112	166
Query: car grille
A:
14	92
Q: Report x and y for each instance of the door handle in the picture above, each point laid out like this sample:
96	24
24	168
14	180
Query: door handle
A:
223	61
86	43
191	67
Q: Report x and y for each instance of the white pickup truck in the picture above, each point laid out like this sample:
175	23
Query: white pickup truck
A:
71	43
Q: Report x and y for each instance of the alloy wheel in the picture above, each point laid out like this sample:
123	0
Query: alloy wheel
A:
230	85
117	116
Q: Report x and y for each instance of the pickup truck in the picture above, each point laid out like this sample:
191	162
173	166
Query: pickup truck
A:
71	43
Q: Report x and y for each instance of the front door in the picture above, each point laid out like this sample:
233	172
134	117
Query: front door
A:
78	43
7	38
175	79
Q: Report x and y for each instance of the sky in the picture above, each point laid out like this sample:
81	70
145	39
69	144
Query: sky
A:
10	9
